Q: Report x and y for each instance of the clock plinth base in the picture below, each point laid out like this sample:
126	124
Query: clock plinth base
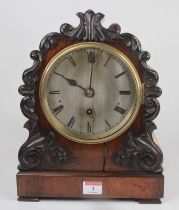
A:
143	187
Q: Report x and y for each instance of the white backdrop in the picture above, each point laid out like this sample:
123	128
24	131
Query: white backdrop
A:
22	25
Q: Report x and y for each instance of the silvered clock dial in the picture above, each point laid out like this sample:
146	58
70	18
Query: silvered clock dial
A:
90	92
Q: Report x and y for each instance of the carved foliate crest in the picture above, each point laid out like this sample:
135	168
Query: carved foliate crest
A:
90	28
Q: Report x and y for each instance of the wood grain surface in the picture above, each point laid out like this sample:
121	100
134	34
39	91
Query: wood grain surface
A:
70	185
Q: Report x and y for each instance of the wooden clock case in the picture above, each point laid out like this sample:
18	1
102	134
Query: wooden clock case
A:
52	166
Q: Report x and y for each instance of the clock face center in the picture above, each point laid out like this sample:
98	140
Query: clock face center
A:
89	92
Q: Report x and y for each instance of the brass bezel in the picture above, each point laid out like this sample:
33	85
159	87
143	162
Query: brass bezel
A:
115	132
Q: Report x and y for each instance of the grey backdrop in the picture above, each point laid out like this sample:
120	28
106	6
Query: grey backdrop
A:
22	25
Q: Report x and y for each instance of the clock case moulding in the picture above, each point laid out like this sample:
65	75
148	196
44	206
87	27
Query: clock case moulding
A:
137	151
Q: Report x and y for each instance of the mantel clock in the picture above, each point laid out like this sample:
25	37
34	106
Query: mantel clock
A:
90	99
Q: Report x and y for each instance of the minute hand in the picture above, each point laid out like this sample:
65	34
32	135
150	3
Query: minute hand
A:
91	75
72	82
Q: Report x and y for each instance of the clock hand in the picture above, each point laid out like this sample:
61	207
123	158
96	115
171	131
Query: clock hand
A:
72	82
91	59
91	75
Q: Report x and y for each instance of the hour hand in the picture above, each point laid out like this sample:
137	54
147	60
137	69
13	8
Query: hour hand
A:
72	82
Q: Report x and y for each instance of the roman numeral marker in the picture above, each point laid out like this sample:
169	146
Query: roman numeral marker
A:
70	58
91	57
58	109
124	92
119	109
107	61
54	92
71	122
88	127
119	75
107	123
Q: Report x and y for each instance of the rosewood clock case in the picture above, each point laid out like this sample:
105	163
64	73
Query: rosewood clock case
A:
48	160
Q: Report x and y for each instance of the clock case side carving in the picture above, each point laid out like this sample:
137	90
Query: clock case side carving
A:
144	155
39	143
140	152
